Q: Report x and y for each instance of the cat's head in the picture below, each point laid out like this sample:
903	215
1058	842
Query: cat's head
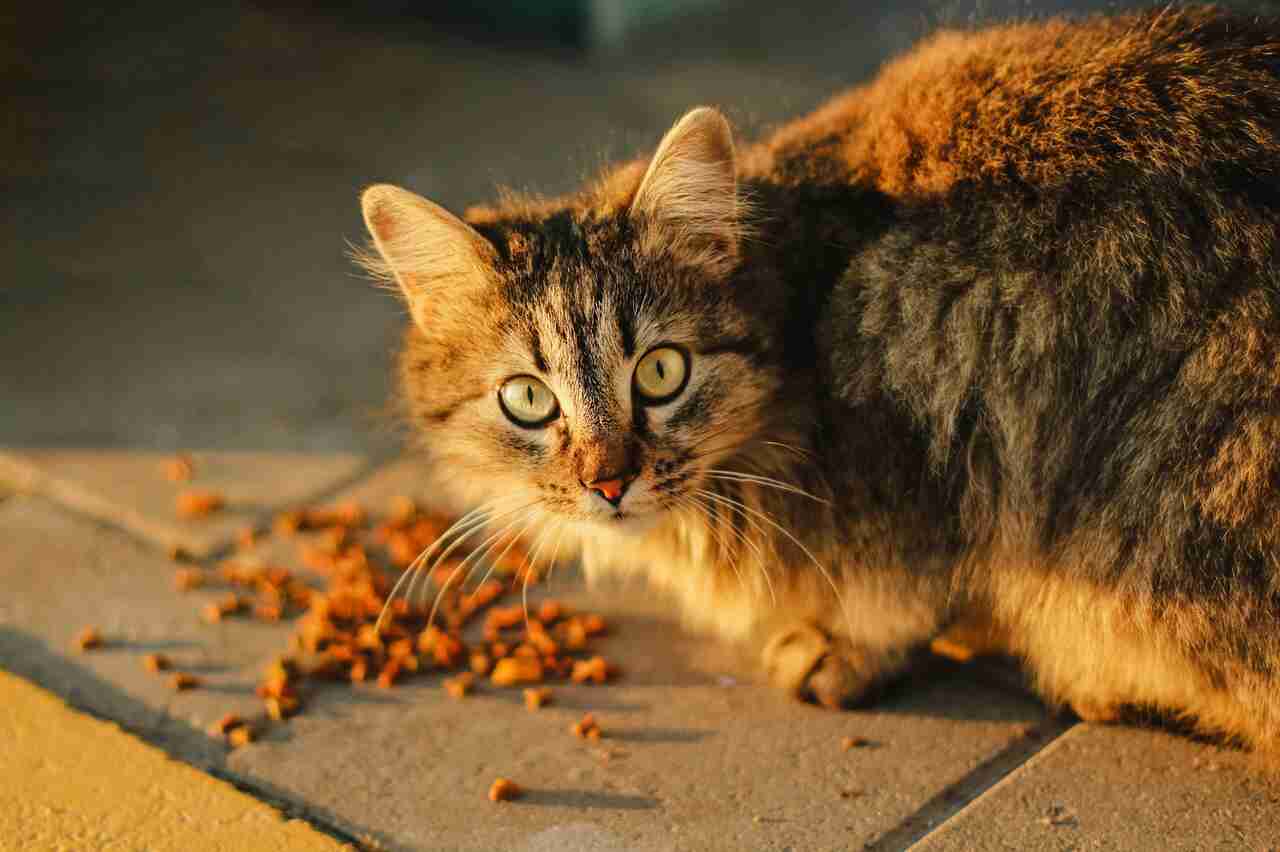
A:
592	359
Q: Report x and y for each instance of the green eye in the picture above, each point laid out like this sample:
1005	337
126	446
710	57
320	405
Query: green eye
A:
527	402
661	374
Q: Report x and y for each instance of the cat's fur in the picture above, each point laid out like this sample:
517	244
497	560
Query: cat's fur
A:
1009	314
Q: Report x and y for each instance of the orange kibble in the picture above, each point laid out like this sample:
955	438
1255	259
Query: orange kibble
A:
240	736
211	613
197	504
594	669
268	612
459	686
186	579
503	790
180	468
400	648
359	670
847	743
183	681
510	671
221	727
499	649
537	637
88	639
550	611
536	698
594	625
481	663
246	538
586	728
156	663
524	649
389	675
572	633
287	523
367	637
503	617
281	707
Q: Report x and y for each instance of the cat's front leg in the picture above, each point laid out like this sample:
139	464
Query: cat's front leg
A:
831	671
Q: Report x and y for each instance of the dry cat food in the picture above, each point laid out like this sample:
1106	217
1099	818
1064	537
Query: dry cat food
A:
197	504
223	726
586	728
337	634
847	743
186	579
180	468
88	639
537	697
156	663
240	736
459	686
181	682
503	790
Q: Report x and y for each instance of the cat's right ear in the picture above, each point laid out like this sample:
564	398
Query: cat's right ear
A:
689	194
422	247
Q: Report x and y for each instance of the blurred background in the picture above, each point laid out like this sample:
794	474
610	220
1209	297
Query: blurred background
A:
180	184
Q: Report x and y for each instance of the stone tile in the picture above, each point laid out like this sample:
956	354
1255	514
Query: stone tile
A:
1114	787
695	756
68	780
62	573
130	488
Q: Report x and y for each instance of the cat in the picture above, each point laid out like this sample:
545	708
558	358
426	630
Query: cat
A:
989	344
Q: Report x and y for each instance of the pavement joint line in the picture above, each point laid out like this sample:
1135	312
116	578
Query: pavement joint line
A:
960	796
289	808
28	483
285	806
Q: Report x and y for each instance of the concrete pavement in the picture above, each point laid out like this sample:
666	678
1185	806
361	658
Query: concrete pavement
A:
696	755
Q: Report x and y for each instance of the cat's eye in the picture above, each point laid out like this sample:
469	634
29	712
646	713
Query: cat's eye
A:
528	402
661	374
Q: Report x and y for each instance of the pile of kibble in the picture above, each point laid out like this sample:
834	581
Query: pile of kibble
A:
347	629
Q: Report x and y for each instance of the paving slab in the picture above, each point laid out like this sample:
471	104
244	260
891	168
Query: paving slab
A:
1112	787
69	781
696	754
132	490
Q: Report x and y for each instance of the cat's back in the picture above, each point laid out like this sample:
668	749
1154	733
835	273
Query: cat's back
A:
1044	103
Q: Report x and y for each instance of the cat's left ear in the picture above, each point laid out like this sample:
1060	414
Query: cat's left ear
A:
425	248
689	195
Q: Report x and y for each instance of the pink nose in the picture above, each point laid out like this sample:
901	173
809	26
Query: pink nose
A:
610	489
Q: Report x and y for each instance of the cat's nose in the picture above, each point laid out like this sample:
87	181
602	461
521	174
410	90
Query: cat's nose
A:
611	489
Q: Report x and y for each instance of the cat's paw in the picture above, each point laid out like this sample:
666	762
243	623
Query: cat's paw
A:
813	667
791	655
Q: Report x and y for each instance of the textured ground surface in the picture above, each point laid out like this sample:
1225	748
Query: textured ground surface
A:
696	755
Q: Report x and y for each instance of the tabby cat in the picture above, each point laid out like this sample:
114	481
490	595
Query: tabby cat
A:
990	342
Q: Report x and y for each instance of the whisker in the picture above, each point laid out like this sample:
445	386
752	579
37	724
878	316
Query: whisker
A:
767	481
412	567
477	521
510	544
804	454
445	555
768	520
710	528
532	566
763	561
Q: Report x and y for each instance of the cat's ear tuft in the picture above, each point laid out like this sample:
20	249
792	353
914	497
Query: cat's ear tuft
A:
689	194
421	246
